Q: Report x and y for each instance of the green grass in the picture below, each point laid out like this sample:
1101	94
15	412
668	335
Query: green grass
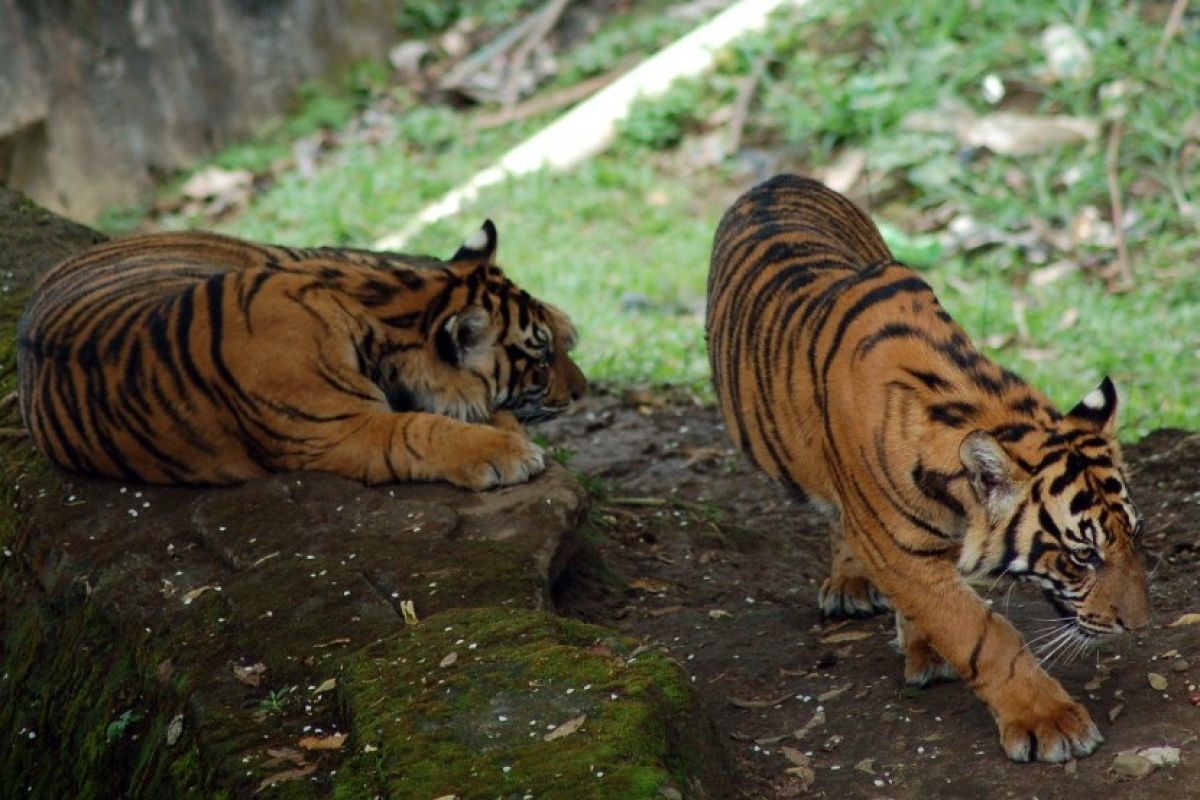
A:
622	243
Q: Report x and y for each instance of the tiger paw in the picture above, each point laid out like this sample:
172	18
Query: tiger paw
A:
491	457
842	597
1056	732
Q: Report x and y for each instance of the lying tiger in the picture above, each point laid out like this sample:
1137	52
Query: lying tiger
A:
841	375
199	359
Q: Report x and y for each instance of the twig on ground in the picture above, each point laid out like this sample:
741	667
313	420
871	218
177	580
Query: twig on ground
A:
551	101
12	433
638	501
741	105
544	21
459	74
7	404
1174	22
1121	278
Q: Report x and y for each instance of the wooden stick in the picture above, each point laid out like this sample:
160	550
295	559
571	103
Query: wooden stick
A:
741	105
1174	21
1122	280
544	21
551	101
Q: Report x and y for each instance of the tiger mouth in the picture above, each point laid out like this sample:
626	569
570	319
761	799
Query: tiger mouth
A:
534	414
1081	626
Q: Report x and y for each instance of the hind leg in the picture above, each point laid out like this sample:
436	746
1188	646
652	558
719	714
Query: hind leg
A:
848	592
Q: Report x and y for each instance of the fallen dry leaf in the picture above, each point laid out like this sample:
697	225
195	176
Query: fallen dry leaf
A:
845	170
409	610
867	765
814	722
194	593
832	693
1044	276
804	774
768	703
174	730
332	742
652	585
217	182
251	675
327	686
449	660
1161	756
1157	682
1013	134
795	756
566	729
1185	619
1131	765
282	755
332	642
286	775
1115	712
846	636
719	613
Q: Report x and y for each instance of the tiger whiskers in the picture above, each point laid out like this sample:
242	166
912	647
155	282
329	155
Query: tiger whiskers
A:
1062	643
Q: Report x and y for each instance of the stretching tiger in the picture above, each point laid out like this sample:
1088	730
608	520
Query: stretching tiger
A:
199	359
841	375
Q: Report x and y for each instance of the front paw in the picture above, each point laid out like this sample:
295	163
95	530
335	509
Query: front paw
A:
493	457
843	597
1056	731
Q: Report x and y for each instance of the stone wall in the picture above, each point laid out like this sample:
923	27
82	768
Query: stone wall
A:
98	98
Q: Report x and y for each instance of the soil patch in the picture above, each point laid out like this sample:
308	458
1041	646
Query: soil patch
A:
694	550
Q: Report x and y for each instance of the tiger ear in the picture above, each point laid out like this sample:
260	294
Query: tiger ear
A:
464	335
992	474
1099	408
480	246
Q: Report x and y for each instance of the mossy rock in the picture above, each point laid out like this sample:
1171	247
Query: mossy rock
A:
170	642
467	705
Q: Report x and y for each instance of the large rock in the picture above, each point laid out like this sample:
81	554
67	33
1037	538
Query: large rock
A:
98	98
171	642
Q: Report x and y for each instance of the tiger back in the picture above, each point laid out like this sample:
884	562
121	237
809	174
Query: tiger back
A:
194	358
840	374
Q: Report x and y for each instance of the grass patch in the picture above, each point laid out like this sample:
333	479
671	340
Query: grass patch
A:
622	243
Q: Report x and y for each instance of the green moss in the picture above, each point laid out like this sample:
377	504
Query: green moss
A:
74	710
477	726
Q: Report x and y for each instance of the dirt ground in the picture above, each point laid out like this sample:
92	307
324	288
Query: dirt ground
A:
696	551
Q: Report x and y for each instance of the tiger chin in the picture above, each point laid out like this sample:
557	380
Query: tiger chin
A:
199	359
841	375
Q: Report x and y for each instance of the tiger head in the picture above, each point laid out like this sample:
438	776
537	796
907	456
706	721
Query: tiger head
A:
491	346
1058	514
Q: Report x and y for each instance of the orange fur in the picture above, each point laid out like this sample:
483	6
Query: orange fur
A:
193	358
841	375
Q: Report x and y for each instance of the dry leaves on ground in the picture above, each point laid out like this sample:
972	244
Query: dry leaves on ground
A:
332	742
566	729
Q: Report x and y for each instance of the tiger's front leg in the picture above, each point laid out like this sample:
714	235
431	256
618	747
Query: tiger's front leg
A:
381	447
1038	720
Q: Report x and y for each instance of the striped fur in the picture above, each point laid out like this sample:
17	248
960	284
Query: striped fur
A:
193	358
840	374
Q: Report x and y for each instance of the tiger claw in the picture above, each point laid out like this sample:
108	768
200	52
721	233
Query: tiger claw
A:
842	598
